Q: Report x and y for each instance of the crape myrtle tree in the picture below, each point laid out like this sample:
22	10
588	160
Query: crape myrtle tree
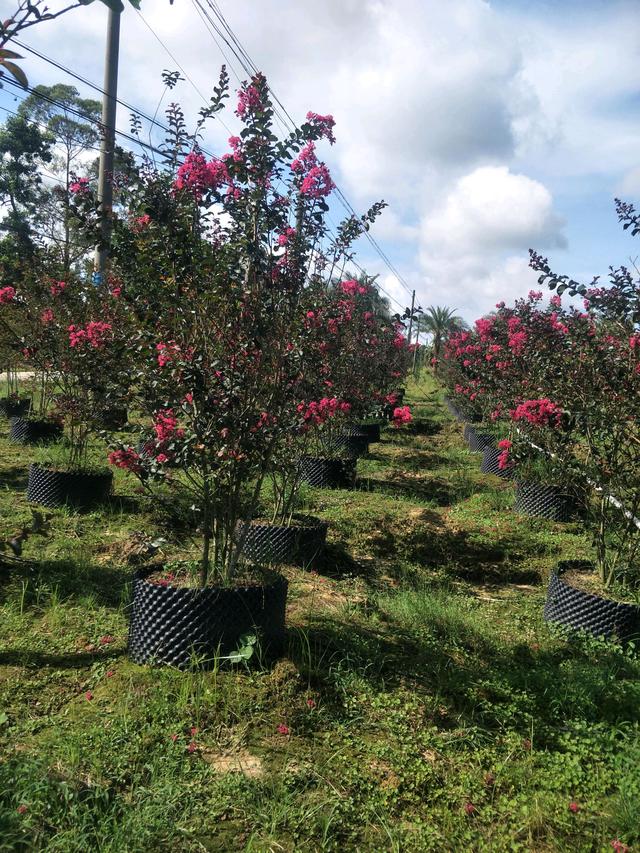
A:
601	393
77	333
562	384
216	260
355	356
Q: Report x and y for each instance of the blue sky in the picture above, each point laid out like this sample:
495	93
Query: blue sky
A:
489	127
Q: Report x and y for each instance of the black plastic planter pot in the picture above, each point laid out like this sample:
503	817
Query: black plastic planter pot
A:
181	626
490	458
602	617
79	489
12	407
23	431
369	431
478	441
299	543
543	501
350	446
328	473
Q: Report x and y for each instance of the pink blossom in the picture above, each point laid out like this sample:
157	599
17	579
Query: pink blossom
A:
323	124
538	412
196	175
47	316
88	696
282	729
306	159
161	458
141	222
57	287
535	295
126	458
401	415
165	425
556	301
249	100
574	807
317	183
286	236
7	294
95	334
79	186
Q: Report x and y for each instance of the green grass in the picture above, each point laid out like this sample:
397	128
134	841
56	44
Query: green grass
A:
428	705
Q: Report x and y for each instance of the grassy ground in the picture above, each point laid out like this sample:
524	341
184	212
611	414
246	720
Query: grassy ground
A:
426	705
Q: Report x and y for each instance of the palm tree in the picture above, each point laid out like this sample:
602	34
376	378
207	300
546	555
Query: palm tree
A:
440	322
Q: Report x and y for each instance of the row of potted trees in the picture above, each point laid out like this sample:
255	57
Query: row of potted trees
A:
551	395
246	361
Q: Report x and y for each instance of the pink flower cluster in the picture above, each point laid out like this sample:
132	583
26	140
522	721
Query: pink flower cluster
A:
286	236
323	124
306	159
126	458
95	334
318	412
7	294
47	317
503	458
401	415
165	425
198	175
79	186
352	287
249	100
317	183
57	287
167	352
538	412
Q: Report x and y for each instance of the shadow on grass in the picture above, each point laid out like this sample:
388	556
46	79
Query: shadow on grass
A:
437	490
34	583
463	555
477	679
37	660
336	562
15	477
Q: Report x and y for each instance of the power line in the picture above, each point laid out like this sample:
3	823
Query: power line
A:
138	112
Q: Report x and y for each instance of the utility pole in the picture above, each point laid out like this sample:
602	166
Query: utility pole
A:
105	175
413	302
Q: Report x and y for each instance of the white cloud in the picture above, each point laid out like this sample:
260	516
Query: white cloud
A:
474	245
465	116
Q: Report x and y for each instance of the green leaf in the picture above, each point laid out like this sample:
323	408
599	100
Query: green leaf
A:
3	718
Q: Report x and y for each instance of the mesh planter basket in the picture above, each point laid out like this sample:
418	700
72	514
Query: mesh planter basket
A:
602	617
350	446
12	407
490	465
79	489
176	625
478	441
328	473
23	431
543	501
301	542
